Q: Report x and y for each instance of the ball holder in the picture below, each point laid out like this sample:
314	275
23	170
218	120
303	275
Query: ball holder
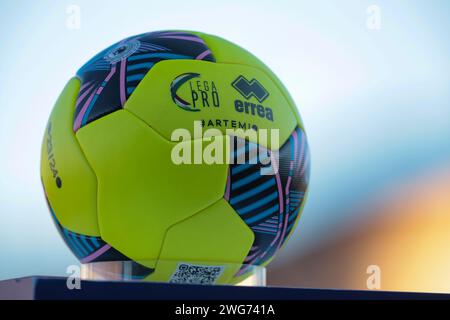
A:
176	272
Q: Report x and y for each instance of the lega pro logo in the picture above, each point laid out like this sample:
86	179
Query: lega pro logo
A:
191	93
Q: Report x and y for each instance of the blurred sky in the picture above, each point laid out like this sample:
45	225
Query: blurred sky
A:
375	103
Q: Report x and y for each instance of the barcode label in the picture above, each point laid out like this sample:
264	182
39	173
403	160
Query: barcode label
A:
196	274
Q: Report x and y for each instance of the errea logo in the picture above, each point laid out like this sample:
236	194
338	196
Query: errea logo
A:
250	88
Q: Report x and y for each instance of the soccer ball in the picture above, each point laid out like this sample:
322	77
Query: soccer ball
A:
116	171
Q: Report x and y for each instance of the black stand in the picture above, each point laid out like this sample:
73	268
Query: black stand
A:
49	288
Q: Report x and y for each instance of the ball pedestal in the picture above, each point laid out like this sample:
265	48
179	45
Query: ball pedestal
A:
179	272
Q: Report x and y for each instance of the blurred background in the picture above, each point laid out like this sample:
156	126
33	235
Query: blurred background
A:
371	80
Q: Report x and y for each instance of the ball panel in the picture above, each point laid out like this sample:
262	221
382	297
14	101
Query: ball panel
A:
141	192
214	236
68	180
228	52
111	76
270	204
90	249
154	102
85	248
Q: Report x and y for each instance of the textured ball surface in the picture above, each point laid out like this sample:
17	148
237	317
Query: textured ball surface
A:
113	188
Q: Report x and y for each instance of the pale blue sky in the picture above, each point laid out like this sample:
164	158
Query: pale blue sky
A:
376	104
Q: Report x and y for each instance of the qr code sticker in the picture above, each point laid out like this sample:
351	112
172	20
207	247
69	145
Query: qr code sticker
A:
196	274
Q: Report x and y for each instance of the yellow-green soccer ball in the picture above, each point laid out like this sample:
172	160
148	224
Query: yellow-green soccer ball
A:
115	159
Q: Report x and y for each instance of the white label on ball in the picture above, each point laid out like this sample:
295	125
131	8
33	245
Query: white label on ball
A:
196	274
